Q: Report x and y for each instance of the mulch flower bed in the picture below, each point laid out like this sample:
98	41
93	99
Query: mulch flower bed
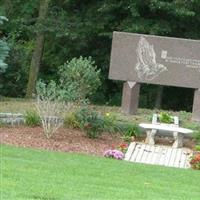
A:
65	140
68	140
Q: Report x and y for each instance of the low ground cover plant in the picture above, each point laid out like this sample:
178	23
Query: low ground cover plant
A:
165	117
195	161
129	131
114	153
32	118
117	152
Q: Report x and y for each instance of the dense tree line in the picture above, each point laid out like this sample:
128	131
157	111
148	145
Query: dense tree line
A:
44	34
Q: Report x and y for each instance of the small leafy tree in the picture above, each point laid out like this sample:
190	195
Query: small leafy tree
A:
80	77
3	49
50	106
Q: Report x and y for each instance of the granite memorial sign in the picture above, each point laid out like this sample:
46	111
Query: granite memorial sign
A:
138	58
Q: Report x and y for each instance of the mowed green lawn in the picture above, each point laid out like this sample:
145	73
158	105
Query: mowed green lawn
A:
33	174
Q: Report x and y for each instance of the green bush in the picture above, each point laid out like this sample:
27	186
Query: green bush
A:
196	135
93	124
32	118
2	124
129	130
197	147
80	78
71	121
165	118
90	122
110	123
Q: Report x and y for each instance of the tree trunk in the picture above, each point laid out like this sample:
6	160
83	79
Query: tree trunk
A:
38	50
158	102
8	7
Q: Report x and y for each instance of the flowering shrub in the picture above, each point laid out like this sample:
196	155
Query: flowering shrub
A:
123	147
117	153
195	161
114	153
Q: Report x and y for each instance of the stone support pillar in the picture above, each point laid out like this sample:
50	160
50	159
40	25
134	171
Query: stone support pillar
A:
130	97
178	140
196	106
150	139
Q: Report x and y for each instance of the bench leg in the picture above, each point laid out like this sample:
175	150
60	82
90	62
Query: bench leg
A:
178	143
150	137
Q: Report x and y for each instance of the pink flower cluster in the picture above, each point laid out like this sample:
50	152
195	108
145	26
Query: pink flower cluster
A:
114	153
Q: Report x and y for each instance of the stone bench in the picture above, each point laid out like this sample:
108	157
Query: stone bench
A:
178	132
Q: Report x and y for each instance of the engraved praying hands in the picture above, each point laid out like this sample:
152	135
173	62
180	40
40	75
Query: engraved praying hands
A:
146	67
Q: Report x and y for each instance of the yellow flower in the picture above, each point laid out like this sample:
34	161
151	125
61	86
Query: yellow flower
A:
107	114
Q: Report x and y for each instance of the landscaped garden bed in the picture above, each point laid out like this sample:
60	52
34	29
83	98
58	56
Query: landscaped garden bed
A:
69	140
66	140
89	129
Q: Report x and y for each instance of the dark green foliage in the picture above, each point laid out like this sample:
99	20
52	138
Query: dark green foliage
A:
93	123
75	28
130	131
80	78
17	72
172	102
90	122
32	118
